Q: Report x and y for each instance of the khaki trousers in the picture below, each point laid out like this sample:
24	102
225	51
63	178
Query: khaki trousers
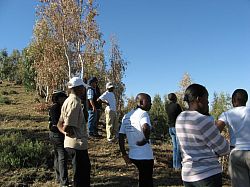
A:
111	124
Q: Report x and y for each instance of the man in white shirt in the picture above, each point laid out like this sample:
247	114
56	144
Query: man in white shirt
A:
136	127
238	121
108	98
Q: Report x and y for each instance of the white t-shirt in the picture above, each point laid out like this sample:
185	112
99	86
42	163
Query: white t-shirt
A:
131	125
110	98
238	121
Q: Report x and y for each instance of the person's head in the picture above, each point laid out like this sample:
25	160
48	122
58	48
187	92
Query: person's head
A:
196	96
110	87
93	82
143	101
58	96
172	97
239	97
77	86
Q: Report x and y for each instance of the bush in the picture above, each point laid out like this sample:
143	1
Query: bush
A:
17	152
5	100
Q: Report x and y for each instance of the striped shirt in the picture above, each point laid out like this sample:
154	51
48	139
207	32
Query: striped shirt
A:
201	143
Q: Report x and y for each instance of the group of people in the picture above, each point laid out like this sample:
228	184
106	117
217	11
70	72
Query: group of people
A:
197	141
197	135
69	132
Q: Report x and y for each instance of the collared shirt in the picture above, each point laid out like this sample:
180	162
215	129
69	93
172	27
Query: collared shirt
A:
72	115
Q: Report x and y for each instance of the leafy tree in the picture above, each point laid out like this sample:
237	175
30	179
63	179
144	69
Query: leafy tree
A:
221	102
184	83
158	111
116	72
27	70
66	40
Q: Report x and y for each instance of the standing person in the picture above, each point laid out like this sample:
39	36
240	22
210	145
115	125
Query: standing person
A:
108	98
57	138
136	127
238	121
92	110
73	125
98	104
200	141
173	109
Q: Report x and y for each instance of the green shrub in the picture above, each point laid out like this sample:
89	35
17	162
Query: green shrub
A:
18	152
5	100
4	93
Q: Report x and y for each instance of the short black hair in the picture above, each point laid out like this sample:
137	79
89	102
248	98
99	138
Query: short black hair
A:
240	95
193	91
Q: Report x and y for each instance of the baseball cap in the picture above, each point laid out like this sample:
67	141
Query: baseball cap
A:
109	85
76	81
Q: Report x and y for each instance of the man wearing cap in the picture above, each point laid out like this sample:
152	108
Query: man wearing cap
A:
73	125
92	110
108	98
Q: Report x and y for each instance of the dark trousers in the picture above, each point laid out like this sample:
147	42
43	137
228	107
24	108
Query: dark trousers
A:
145	168
60	158
213	181
81	167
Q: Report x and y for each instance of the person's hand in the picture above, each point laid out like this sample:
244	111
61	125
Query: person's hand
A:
142	142
126	159
69	131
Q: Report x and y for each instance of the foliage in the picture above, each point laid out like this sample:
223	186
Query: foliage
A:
28	70
116	72
17	152
157	111
221	102
184	83
4	100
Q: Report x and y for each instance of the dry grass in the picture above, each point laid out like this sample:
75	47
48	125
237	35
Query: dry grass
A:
108	168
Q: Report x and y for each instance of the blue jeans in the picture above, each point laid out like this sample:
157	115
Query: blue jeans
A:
81	167
92	121
176	149
60	158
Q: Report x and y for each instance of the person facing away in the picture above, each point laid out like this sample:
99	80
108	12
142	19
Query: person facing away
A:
109	99
57	138
136	127
200	141
73	125
92	110
98	104
237	120
173	109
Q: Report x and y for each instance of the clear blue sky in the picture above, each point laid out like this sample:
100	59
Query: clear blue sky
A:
161	40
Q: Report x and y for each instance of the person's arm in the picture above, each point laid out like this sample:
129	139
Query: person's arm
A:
102	101
92	104
220	124
214	139
122	148
146	132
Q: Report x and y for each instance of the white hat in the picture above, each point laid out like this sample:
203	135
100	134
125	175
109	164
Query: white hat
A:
109	85
76	81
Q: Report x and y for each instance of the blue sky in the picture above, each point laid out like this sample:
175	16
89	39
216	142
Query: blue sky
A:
161	40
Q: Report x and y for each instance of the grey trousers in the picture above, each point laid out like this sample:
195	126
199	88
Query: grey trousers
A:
239	168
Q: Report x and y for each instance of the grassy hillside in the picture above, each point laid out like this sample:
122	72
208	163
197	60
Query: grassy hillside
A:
24	132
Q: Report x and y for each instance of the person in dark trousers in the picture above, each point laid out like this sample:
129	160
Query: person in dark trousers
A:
136	127
73	125
173	109
57	138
